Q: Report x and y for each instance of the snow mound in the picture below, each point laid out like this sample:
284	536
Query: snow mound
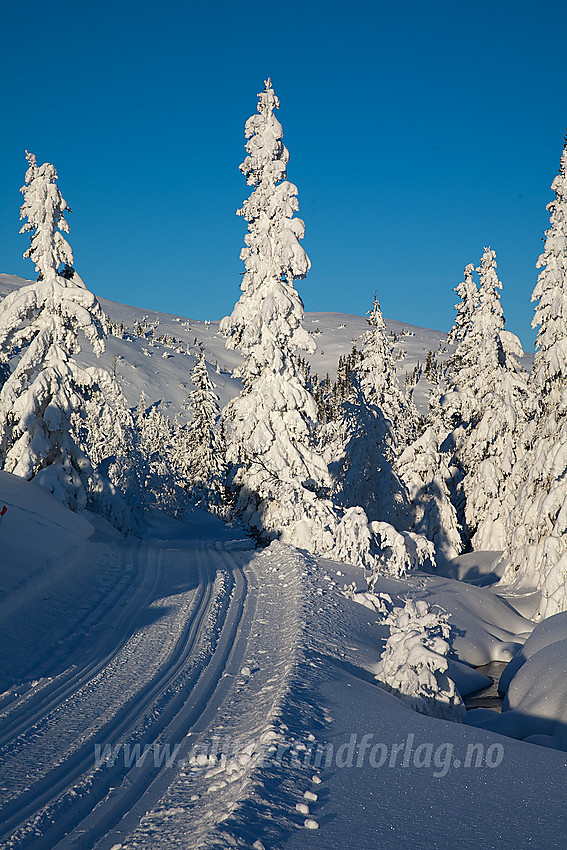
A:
549	631
535	682
535	707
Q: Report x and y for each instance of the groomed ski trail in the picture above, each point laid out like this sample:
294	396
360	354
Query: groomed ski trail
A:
197	643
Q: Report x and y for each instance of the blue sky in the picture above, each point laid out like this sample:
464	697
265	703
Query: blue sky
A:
418	134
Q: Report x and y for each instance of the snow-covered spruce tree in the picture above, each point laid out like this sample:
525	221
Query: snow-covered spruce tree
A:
537	525
424	468
468	294
201	443
44	418
549	373
280	481
376	375
44	209
485	405
269	307
105	431
278	476
377	420
414	664
159	453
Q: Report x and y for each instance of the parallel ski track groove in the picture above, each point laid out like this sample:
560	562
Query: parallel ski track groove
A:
30	803
147	784
67	683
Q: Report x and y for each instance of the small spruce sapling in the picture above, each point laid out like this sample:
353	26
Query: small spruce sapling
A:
414	664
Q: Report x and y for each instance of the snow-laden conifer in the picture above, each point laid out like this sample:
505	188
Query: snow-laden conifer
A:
45	425
269	310
282	481
200	445
106	433
468	294
377	420
427	469
365	472
484	406
424	468
158	450
44	209
549	374
398	552
276	471
414	662
376	373
537	525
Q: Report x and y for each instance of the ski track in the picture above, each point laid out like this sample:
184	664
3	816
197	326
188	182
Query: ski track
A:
225	759
22	710
150	654
186	654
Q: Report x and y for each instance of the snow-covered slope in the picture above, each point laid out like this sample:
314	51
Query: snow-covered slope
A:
160	360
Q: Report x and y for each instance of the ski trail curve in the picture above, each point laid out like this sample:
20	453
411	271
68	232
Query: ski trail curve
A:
111	753
157	652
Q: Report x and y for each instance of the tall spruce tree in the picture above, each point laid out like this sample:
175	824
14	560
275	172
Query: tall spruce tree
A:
275	470
281	481
537	526
549	374
485	406
46	420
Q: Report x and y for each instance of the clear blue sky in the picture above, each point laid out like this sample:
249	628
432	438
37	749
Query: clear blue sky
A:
418	134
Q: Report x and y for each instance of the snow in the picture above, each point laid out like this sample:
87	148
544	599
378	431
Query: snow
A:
534	683
31	520
548	632
255	662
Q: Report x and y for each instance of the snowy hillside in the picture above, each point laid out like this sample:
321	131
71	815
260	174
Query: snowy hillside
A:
183	688
161	367
159	360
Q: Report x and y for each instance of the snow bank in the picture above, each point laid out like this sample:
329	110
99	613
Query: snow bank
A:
480	568
549	631
40	544
535	681
36	533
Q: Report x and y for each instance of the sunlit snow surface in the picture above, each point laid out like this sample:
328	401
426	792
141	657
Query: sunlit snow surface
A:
256	664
